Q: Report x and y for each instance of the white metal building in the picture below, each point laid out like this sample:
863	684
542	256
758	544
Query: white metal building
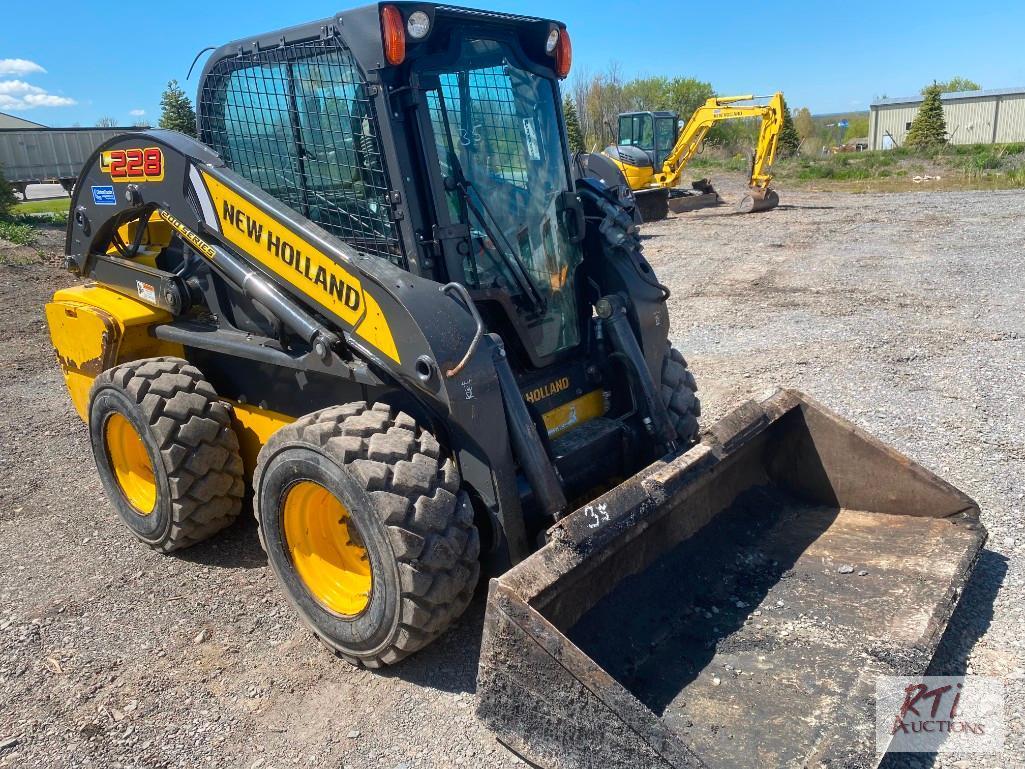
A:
973	117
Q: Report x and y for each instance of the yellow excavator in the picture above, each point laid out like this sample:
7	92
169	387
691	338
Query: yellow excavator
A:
654	140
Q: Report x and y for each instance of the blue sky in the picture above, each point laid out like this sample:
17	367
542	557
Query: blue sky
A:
72	62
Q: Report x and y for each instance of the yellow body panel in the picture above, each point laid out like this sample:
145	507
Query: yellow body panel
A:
299	263
573	414
638	177
156	239
93	328
326	549
254	426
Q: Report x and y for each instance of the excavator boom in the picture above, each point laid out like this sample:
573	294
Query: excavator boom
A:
661	186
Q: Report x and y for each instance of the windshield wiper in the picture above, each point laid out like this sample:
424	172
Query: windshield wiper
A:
520	275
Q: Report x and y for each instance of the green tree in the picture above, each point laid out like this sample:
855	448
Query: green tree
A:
681	95
685	94
176	111
789	138
7	199
928	129
573	132
804	123
646	94
955	84
857	127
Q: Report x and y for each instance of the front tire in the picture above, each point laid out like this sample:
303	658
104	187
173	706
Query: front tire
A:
364	524
679	393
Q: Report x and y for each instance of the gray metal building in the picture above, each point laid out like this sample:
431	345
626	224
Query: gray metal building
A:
13	121
973	117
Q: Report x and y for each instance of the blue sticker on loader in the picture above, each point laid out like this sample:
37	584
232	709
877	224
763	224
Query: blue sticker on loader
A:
104	195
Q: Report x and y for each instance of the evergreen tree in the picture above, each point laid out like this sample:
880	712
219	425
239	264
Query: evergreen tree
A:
176	111
928	129
789	139
573	132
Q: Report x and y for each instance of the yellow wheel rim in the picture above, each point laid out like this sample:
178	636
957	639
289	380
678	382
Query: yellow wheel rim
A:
131	464
326	549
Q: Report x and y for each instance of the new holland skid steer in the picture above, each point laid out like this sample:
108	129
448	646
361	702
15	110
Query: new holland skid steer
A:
378	296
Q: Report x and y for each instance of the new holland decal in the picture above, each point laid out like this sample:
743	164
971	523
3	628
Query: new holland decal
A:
300	264
554	387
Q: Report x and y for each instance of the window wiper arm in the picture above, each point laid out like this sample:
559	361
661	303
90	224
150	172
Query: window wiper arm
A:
521	276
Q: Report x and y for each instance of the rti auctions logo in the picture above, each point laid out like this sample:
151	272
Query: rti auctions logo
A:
939	714
911	721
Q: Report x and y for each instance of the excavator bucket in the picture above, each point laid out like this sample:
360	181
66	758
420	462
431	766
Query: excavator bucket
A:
700	195
731	606
757	200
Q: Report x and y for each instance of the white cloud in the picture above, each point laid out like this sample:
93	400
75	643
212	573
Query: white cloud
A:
19	95
47	100
18	86
137	112
16	94
19	67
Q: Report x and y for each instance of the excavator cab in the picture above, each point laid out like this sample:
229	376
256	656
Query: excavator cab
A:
653	132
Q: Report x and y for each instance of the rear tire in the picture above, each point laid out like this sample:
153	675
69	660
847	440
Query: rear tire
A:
679	393
396	497
165	451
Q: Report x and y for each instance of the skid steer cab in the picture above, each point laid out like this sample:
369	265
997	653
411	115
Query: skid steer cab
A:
378	296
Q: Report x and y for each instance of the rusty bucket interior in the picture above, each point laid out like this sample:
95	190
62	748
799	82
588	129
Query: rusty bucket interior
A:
732	606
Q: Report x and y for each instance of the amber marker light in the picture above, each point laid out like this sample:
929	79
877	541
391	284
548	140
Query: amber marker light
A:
393	35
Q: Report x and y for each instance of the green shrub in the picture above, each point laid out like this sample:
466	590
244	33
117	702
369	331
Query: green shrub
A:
14	232
7	199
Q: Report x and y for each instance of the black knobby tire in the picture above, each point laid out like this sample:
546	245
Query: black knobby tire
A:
679	393
402	493
193	450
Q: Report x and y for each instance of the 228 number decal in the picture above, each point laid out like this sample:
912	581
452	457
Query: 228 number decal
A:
133	165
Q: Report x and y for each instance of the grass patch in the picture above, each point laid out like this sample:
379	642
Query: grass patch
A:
54	206
990	166
17	233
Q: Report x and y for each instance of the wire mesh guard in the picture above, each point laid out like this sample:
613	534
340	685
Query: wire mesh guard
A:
297	121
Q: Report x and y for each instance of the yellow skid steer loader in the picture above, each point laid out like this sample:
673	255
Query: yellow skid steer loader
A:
378	298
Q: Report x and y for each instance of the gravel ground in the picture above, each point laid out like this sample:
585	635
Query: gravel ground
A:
902	312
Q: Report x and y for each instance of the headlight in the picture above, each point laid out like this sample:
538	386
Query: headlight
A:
418	25
553	40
